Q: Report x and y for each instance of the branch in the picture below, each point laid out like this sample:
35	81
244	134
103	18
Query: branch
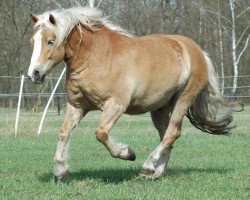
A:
242	35
213	12
25	30
244	48
99	3
210	11
6	15
242	12
58	4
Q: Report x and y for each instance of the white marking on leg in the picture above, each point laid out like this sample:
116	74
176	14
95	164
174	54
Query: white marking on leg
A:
62	154
36	52
160	168
118	149
58	156
67	153
151	162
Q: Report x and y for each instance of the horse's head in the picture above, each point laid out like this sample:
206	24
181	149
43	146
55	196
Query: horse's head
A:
47	52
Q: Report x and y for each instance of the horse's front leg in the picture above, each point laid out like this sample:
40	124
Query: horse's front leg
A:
111	113
73	117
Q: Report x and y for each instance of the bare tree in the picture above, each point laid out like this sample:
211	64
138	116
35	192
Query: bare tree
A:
220	27
221	50
170	11
237	54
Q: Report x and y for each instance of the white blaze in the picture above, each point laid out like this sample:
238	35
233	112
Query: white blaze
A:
36	52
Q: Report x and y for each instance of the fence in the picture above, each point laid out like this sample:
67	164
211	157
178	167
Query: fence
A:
34	99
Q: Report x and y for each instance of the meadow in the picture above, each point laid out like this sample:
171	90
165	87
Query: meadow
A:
202	166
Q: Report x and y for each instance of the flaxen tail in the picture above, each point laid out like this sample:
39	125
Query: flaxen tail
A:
212	112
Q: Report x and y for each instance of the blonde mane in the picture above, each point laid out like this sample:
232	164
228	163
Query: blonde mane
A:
67	19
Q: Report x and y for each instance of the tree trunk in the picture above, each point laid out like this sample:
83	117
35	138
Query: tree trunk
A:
201	19
221	53
235	63
92	3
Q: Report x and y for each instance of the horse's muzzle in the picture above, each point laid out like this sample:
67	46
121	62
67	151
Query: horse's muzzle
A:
37	77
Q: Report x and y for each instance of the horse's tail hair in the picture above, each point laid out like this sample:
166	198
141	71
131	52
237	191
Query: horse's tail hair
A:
211	112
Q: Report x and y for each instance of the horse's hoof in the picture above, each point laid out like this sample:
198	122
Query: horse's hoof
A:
148	173
132	155
62	178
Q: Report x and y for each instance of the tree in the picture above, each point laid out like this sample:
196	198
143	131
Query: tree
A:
92	3
236	51
221	28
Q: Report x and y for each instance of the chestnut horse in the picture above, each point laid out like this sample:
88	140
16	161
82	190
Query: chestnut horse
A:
115	72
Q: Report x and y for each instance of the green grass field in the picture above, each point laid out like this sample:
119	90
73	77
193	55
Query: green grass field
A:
202	166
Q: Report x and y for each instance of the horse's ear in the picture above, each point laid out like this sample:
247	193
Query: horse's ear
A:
34	19
52	19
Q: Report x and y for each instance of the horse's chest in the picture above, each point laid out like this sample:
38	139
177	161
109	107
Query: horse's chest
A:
83	93
74	95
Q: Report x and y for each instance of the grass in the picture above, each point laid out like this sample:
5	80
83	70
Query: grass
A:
201	166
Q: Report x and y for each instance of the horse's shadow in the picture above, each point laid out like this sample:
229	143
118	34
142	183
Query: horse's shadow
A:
119	175
105	175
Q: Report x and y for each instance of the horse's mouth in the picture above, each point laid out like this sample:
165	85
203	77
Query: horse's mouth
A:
41	79
38	80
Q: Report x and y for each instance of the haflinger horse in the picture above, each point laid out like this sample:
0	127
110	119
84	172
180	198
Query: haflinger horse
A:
110	70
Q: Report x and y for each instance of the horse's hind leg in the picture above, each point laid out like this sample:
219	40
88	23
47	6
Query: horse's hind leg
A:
73	116
111	113
160	118
184	100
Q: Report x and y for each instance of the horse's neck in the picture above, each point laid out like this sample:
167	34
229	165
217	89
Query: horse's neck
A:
75	48
84	49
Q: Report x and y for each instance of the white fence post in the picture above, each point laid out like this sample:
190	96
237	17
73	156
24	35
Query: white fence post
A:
47	106
19	105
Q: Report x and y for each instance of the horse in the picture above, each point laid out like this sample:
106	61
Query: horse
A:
111	70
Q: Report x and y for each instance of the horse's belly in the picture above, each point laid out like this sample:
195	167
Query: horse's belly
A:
149	103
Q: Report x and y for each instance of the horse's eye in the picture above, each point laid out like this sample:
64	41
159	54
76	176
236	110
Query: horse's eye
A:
50	42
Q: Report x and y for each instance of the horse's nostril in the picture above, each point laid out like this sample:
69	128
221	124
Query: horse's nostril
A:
36	74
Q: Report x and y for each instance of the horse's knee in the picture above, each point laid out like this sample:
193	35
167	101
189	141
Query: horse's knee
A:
62	136
101	134
177	135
